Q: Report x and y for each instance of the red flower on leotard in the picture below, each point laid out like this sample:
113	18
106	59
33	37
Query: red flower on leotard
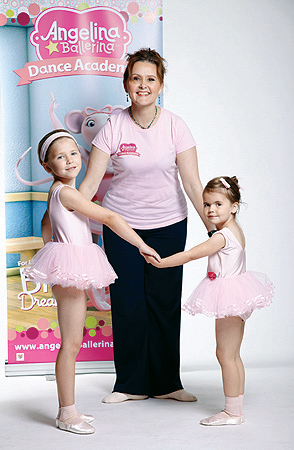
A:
211	275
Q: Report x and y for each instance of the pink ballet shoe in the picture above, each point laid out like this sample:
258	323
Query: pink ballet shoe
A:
223	418
181	396
75	425
85	417
119	397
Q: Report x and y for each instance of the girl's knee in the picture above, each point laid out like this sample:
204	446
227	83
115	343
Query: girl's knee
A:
225	357
71	346
219	355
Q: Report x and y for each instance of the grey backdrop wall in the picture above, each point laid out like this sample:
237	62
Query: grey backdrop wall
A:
230	76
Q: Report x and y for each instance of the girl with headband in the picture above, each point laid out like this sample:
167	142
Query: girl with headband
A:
72	263
228	292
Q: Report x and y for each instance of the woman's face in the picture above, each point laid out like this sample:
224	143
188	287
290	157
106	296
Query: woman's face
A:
143	84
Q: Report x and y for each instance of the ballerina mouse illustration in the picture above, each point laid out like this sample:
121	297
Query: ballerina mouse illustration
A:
71	263
229	292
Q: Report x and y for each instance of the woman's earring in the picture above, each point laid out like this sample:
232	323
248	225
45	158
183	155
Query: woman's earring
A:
159	99
127	98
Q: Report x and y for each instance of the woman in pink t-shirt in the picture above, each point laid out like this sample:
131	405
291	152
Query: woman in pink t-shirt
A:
148	146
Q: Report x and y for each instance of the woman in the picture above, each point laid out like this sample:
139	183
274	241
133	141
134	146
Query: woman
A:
148	145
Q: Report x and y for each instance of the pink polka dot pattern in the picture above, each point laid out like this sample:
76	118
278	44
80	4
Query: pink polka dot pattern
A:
24	12
34	9
43	324
149	17
11	335
32	333
106	331
133	8
125	15
3	20
23	18
56	333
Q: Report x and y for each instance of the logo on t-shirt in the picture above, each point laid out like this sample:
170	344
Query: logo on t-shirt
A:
128	149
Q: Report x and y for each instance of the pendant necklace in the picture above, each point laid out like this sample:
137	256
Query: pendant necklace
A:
141	126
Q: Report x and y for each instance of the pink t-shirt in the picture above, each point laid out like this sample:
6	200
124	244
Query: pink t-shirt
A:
145	189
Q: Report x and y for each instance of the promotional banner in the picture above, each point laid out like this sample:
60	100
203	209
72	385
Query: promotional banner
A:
62	64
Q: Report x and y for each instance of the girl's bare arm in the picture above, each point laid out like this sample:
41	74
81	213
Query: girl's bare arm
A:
74	200
200	251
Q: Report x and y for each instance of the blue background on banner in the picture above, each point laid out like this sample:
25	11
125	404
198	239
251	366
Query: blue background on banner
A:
26	117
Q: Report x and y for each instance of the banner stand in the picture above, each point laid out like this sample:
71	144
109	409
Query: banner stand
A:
12	370
61	68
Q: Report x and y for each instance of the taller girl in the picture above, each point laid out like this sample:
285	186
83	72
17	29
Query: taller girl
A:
148	146
71	263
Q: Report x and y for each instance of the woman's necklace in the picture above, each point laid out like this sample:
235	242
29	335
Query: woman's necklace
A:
141	126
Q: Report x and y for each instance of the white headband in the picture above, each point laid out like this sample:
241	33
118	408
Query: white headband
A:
51	139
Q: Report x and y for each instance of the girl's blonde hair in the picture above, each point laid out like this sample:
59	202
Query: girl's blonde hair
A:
44	139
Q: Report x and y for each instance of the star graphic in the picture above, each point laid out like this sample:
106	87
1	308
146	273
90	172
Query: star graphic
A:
52	47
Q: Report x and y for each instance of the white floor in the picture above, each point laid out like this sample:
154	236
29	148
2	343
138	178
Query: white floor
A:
28	406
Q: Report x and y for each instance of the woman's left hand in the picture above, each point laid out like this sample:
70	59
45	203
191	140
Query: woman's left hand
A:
147	251
153	261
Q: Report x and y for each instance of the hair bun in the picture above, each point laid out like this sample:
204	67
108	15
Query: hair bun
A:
235	179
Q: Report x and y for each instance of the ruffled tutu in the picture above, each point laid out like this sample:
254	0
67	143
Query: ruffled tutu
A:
80	266
234	296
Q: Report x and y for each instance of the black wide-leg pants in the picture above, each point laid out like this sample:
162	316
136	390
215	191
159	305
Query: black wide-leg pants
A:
146	310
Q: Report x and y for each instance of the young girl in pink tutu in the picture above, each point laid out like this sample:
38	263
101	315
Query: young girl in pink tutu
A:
229	292
72	263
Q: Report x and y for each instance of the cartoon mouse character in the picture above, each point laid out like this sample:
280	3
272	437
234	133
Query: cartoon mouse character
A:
86	122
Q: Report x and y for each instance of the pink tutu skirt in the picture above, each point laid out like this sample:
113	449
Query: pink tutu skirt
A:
79	266
234	296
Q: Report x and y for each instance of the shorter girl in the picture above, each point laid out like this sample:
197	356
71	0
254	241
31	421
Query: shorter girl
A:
228	292
71	263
